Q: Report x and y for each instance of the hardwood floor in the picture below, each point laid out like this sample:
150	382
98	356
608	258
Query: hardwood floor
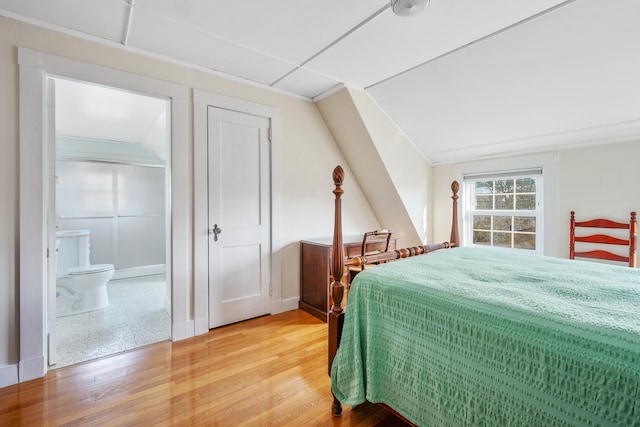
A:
262	372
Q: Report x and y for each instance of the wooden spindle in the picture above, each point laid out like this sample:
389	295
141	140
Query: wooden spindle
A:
633	235
572	235
455	236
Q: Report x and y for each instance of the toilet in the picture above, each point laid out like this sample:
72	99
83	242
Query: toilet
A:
80	286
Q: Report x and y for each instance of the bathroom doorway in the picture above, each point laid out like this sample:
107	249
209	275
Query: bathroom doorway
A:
112	224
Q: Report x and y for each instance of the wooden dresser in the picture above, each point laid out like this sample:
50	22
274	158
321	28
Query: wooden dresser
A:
315	277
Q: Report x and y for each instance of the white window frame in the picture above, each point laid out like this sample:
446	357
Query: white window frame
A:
549	164
469	183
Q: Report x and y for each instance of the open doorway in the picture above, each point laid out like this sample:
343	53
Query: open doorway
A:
37	160
110	291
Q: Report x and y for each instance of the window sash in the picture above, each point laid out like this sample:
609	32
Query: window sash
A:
532	172
512	238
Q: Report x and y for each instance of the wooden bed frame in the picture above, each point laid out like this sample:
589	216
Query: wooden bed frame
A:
339	267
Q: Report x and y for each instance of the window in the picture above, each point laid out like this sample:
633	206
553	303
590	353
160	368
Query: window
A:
504	209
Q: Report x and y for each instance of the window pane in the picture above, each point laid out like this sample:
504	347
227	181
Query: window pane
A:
525	185
524	241
484	187
502	223
502	239
526	202
525	223
504	211
482	237
481	222
504	201
504	186
484	202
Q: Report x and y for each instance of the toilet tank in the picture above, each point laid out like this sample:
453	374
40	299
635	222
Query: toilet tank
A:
72	248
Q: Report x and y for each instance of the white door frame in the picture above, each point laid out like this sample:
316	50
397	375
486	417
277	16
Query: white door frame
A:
34	67
50	218
201	101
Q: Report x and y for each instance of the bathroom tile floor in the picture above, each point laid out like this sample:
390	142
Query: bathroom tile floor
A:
135	317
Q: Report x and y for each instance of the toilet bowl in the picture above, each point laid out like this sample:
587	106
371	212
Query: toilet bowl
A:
80	286
83	289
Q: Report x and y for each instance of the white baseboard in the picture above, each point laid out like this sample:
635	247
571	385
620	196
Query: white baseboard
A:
281	306
8	375
182	330
201	326
145	270
31	369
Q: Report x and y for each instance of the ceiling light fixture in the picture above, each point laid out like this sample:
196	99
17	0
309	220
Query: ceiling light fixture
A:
408	7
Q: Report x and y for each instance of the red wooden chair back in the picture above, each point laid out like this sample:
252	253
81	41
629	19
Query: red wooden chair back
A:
600	238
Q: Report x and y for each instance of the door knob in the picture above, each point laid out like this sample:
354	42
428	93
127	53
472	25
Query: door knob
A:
215	231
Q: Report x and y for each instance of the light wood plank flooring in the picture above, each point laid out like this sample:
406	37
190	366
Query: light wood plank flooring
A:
262	372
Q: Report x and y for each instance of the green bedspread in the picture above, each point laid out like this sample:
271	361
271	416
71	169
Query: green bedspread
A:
473	336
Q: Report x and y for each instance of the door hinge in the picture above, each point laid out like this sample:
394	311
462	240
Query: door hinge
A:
270	289
47	252
270	134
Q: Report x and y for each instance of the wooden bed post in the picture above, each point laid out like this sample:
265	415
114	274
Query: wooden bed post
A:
335	317
633	235
572	235
455	237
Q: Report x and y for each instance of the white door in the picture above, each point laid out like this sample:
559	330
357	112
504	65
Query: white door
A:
50	153
239	215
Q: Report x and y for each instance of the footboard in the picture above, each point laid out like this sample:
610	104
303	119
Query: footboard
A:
339	266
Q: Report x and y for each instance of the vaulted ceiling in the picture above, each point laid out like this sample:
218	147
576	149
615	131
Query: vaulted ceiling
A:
464	79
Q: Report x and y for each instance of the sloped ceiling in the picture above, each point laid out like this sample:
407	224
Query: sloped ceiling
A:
465	79
91	111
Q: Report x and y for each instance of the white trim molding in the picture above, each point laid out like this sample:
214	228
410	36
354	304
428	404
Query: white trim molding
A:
281	306
549	164
8	375
201	100
34	67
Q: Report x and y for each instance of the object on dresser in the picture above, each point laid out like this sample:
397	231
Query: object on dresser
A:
367	249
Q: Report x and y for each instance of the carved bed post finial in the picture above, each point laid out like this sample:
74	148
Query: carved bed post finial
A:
455	236
335	317
337	270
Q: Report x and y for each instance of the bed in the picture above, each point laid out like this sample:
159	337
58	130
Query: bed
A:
471	336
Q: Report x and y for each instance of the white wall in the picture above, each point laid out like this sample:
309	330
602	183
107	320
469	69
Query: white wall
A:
408	169
595	181
309	156
599	181
393	174
123	206
9	160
